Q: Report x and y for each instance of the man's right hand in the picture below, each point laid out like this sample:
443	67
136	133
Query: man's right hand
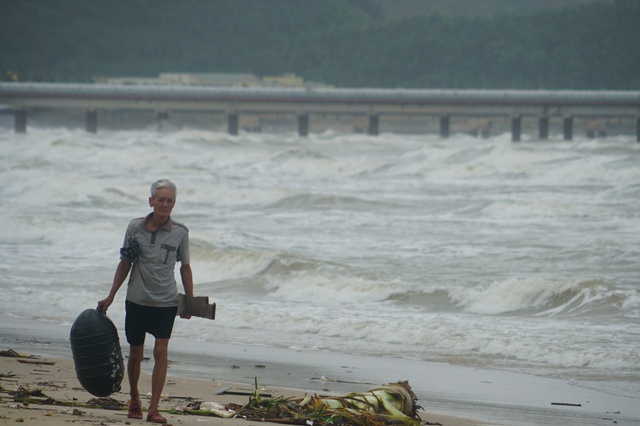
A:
103	305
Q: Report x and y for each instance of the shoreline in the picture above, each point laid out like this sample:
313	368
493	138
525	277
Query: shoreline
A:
58	397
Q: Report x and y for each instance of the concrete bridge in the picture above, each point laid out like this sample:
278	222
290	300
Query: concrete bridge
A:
305	103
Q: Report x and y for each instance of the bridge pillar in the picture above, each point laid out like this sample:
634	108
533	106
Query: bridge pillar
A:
232	123
91	121
374	125
303	125
163	120
543	128
568	128
445	122
516	128
20	120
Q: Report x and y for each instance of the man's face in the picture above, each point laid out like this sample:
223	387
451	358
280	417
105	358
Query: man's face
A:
163	202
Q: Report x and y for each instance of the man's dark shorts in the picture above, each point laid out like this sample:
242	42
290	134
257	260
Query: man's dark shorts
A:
140	320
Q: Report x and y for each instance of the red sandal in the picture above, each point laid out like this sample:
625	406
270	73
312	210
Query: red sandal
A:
135	410
155	417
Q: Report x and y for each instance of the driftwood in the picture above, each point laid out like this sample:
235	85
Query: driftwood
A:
13	354
228	391
33	361
25	359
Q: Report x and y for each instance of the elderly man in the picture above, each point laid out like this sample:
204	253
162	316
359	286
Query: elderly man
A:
152	246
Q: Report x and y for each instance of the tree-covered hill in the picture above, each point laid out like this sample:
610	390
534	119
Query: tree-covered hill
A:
398	9
590	47
354	43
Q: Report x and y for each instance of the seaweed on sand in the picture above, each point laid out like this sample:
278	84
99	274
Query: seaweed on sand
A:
392	404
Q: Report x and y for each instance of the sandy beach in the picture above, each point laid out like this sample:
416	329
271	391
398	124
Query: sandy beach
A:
43	390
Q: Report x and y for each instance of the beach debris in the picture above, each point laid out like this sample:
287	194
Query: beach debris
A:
52	384
13	354
74	412
36	362
208	409
106	403
228	391
330	380
223	390
219	410
566	404
391	404
24	392
27	396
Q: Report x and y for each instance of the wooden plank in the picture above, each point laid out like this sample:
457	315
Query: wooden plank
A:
197	306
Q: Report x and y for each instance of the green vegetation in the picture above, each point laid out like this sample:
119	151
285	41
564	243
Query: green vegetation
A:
349	43
396	9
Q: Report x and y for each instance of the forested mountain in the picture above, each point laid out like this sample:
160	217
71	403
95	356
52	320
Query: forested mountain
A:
350	43
398	9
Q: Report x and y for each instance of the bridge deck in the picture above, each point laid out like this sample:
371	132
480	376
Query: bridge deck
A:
304	102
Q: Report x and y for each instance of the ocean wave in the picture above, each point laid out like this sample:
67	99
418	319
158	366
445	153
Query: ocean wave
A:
294	278
217	264
321	201
296	154
549	208
32	162
546	297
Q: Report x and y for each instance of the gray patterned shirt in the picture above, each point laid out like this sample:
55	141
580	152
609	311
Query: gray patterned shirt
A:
152	279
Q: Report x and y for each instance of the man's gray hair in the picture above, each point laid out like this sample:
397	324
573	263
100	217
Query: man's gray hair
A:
163	183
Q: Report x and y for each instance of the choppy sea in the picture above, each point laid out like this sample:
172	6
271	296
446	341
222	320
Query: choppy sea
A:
517	256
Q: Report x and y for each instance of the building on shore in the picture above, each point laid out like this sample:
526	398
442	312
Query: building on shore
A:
213	79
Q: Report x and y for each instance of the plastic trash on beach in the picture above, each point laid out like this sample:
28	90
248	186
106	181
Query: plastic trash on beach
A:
96	353
217	409
208	409
392	404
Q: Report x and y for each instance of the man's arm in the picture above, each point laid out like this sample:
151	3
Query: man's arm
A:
187	282
187	279
121	274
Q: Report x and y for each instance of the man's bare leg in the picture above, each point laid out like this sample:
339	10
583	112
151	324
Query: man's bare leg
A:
136	354
161	362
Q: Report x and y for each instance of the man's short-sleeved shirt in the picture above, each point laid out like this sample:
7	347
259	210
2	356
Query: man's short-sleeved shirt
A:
152	280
